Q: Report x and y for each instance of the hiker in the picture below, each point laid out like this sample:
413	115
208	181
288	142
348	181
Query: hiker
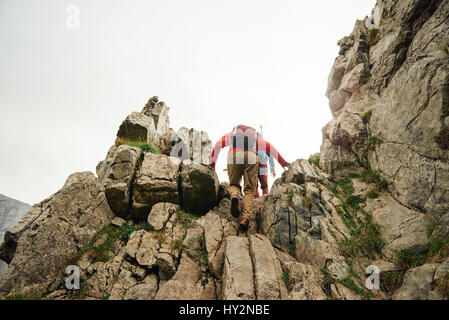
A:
263	169
242	160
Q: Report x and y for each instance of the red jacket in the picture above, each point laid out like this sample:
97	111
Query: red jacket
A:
261	145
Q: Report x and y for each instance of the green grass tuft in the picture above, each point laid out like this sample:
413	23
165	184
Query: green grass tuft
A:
291	248
372	194
185	218
365	240
286	278
20	296
314	160
443	286
204	255
366	117
372	142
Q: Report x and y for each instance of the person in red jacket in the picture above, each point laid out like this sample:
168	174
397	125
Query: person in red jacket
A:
244	145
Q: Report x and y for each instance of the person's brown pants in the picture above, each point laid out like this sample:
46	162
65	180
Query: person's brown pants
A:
243	163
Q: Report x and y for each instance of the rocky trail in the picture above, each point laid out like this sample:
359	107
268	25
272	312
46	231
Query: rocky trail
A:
155	222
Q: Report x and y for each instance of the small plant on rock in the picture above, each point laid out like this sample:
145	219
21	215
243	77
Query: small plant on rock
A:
314	160
372	142
367	116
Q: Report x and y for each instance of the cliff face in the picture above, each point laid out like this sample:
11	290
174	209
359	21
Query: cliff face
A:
11	211
389	95
155	223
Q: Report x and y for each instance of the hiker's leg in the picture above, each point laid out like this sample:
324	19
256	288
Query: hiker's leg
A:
257	188
264	184
235	173
250	184
263	177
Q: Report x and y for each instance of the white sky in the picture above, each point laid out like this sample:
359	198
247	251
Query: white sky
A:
64	93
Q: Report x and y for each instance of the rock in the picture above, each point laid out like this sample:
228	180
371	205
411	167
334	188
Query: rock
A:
238	270
11	211
190	144
38	248
118	222
158	111
160	214
156	181
302	171
321	254
303	281
417	283
214	236
146	290
223	191
138	127
287	211
199	186
340	292
104	167
119	181
401	227
187	284
388	88
442	228
267	269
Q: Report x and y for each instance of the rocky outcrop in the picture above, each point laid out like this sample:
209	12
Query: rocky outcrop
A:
388	94
156	181
420	283
199	185
376	200
64	222
11	211
119	180
138	127
190	144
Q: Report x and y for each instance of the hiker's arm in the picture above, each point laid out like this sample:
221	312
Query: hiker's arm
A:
271	151
223	142
271	161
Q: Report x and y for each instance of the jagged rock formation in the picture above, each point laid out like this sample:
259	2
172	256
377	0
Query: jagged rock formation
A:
156	223
38	247
11	211
388	92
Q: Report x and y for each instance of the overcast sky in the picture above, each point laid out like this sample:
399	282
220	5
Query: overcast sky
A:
64	93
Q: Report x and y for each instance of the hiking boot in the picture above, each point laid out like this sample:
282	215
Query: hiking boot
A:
235	207
244	224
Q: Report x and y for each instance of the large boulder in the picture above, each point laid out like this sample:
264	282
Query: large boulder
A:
301	171
238	276
267	269
420	283
158	110
118	184
401	227
199	185
190	144
156	181
138	127
38	248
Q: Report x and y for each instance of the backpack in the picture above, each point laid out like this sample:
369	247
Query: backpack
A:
243	137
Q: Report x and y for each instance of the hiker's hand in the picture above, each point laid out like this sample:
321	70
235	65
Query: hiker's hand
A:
287	166
225	170
273	174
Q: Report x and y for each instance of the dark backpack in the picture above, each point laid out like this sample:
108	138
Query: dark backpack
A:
244	137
